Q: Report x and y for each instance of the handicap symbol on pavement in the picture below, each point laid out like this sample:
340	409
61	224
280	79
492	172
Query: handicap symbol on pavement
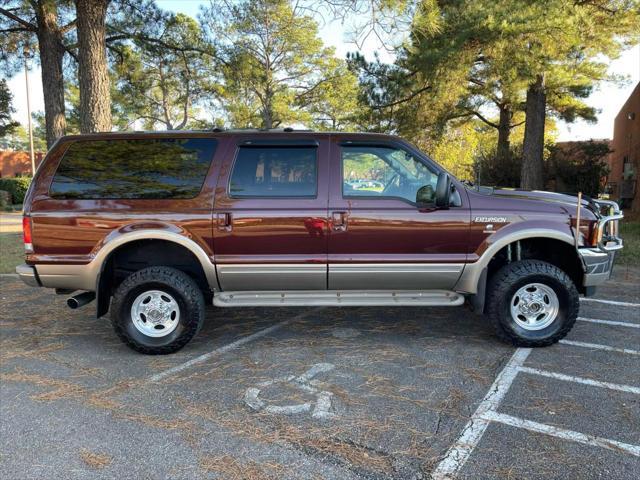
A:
321	407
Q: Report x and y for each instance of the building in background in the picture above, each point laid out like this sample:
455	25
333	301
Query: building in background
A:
16	163
624	161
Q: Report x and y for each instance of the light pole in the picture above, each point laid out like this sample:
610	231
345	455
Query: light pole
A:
29	126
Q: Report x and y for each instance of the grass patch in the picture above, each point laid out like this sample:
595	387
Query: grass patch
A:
630	233
11	252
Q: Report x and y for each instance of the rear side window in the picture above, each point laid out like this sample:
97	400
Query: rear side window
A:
275	172
133	169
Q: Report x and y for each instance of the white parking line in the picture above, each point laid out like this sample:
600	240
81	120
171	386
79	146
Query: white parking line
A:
203	358
472	433
585	381
609	302
610	322
562	433
597	346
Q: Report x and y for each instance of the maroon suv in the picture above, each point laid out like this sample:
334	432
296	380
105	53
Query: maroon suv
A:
156	225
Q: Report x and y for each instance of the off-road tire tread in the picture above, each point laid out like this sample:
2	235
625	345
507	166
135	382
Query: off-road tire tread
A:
504	278
176	279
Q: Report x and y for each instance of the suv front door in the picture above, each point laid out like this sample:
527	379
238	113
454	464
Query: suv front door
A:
270	215
380	239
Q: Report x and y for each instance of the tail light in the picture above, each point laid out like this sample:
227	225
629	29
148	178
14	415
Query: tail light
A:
26	234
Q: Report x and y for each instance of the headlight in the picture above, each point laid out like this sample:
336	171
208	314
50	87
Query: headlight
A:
589	234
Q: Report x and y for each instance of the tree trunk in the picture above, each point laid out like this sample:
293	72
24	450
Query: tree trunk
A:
503	154
51	54
532	173
267	114
95	98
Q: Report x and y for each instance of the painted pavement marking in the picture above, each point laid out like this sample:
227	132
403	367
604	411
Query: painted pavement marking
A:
562	433
472	433
597	346
303	382
584	381
609	302
610	322
231	346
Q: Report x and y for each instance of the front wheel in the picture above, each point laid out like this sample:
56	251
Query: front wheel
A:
532	303
157	310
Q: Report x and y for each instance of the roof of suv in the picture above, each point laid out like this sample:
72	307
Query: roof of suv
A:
218	132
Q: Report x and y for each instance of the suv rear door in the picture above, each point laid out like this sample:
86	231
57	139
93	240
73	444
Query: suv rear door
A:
270	214
380	239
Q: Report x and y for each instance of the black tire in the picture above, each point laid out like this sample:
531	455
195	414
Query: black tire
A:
508	280
178	285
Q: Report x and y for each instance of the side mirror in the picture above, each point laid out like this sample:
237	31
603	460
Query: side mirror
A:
443	191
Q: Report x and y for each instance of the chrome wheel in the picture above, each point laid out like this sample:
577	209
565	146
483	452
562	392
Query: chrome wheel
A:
534	306
155	313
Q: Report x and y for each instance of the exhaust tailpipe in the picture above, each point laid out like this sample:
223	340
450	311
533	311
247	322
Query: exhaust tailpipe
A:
80	300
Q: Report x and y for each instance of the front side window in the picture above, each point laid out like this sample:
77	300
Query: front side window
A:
384	172
275	172
133	169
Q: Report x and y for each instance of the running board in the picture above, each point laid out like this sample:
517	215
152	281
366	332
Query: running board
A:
337	298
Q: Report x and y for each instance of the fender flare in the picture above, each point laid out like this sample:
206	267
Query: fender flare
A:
108	247
469	281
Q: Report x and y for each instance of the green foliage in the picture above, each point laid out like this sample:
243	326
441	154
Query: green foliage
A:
578	167
275	69
333	105
489	169
18	140
457	148
630	254
11	252
472	60
6	125
17	187
5	199
15	36
160	82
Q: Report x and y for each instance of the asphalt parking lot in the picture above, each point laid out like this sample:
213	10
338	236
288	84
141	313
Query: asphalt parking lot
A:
354	393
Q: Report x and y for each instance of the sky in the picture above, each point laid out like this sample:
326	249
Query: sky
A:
607	98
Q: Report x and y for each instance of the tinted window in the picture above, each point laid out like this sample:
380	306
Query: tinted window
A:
274	172
128	169
384	172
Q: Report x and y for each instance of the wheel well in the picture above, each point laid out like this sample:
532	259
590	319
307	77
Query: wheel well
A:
555	252
139	254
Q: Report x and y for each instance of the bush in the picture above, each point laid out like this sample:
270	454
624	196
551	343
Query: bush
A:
5	199
492	172
17	187
578	167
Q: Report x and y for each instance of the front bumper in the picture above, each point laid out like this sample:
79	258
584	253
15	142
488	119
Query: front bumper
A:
598	265
28	275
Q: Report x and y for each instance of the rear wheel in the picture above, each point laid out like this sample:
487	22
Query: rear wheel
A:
532	303
157	310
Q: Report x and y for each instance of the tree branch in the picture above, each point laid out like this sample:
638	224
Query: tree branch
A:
15	18
69	50
403	100
483	118
69	26
17	29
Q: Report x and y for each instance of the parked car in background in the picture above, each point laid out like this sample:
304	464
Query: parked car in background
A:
155	226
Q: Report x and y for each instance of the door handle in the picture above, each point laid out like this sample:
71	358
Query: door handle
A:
224	221
339	221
